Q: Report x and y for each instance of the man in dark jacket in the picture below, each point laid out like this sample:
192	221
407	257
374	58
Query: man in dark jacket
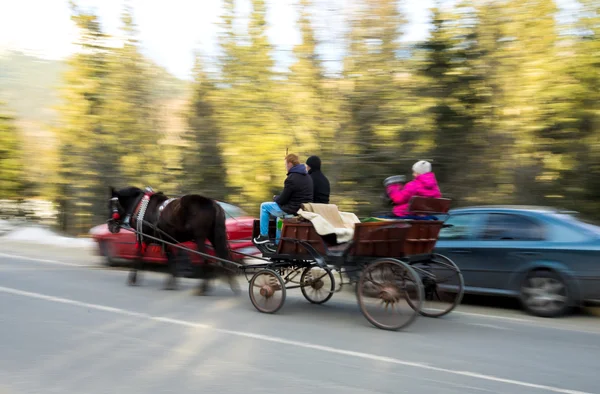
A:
321	188
297	190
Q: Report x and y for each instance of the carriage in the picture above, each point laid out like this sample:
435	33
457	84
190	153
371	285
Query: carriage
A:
393	262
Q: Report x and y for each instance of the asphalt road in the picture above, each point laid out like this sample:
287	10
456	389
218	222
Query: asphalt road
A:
67	326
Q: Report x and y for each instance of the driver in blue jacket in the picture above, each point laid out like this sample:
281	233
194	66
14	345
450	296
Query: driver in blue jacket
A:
297	190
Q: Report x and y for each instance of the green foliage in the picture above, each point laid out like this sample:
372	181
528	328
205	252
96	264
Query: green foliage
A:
249	111
109	134
457	87
86	149
570	115
202	159
374	118
133	131
11	160
501	97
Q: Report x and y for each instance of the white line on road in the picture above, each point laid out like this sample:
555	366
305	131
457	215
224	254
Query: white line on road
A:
14	256
515	319
284	341
489	326
455	312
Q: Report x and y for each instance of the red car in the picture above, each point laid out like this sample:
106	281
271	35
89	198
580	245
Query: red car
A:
121	246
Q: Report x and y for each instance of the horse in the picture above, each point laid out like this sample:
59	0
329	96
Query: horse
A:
191	217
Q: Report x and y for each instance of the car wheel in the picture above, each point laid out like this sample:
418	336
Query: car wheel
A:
545	294
107	252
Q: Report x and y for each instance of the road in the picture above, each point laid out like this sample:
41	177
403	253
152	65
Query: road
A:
69	326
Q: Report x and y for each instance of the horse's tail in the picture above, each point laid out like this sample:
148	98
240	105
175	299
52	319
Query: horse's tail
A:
220	242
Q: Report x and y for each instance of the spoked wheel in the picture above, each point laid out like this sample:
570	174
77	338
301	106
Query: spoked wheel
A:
337	274
443	285
317	284
267	291
389	294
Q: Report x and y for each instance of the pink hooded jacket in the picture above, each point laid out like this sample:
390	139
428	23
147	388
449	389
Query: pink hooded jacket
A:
424	185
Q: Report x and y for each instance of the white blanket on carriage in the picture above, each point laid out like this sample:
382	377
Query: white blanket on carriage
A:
326	219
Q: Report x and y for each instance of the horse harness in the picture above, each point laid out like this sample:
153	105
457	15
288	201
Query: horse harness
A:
140	212
164	204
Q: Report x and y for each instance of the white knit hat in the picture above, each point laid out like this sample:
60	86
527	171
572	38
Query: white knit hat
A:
422	167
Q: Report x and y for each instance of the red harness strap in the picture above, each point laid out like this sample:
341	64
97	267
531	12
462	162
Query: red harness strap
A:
136	211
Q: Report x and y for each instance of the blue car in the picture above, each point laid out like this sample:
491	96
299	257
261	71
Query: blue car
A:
547	258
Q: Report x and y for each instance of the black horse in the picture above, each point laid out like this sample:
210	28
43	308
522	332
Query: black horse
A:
189	218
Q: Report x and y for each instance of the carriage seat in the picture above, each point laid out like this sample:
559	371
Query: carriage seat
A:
328	220
427	206
420	208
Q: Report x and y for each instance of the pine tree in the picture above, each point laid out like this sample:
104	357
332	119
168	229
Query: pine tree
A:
370	69
202	161
588	74
254	138
457	85
305	104
134	129
83	133
569	124
11	157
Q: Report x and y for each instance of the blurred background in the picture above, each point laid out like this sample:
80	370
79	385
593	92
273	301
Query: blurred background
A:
503	97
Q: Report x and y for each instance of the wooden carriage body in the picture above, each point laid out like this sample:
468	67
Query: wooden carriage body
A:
390	261
402	238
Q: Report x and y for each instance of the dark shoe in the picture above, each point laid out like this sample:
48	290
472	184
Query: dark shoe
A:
262	239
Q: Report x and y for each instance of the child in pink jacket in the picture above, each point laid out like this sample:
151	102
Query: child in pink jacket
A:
424	184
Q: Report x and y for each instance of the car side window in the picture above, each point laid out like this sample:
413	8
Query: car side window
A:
502	226
463	226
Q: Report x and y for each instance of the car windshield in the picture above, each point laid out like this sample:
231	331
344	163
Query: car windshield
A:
583	224
231	211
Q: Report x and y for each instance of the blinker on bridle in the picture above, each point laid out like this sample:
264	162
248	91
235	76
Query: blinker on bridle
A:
115	208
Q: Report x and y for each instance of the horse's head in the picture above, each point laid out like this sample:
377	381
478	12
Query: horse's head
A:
121	204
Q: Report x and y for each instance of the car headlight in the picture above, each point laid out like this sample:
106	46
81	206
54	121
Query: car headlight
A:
95	231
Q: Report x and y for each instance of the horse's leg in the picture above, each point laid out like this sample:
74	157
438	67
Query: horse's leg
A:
132	277
137	265
232	280
203	287
171	283
228	274
204	270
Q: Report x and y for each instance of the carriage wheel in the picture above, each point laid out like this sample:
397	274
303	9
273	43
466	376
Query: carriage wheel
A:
443	285
387	292
267	291
317	284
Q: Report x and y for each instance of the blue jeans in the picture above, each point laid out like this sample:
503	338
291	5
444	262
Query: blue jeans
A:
268	209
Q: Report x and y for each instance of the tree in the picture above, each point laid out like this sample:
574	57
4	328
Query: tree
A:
11	160
133	127
304	88
83	135
373	94
458	88
254	136
569	125
203	161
